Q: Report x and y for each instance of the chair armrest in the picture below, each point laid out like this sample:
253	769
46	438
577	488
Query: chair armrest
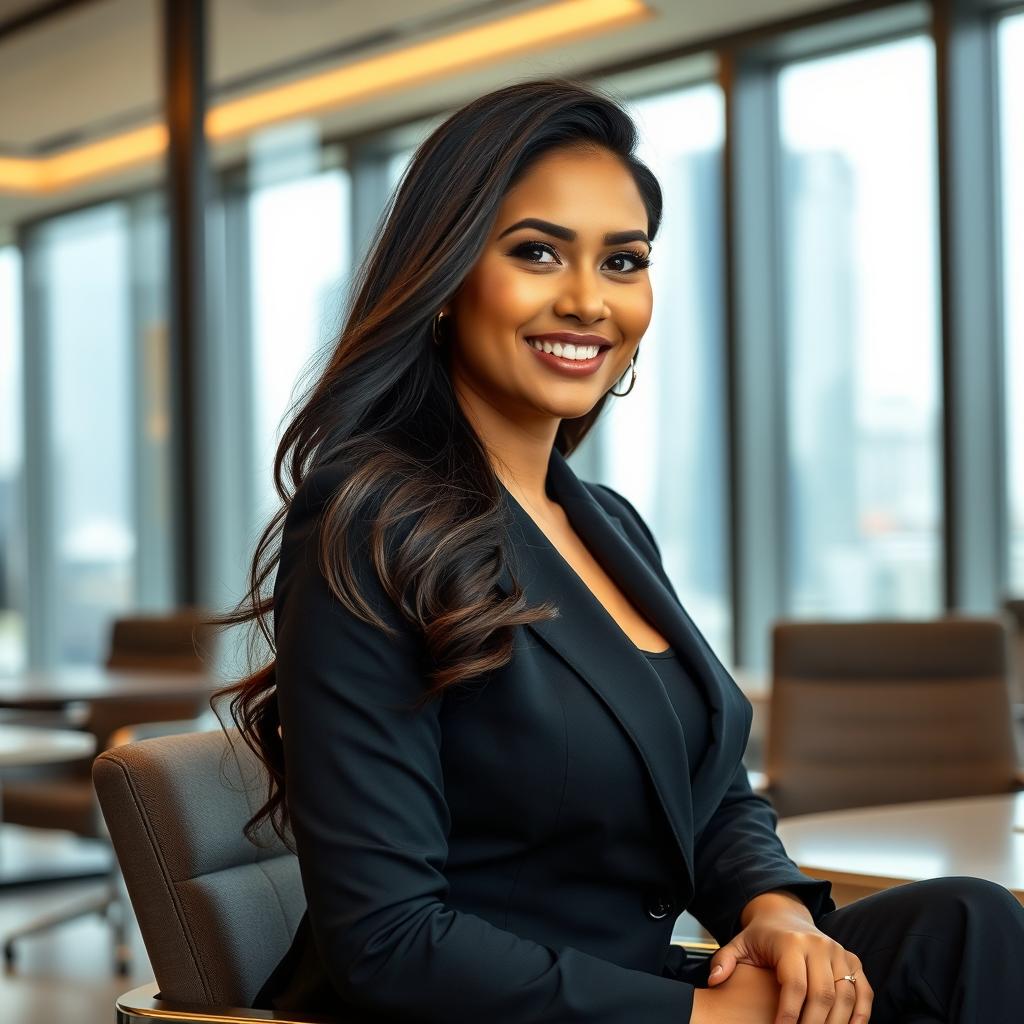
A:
143	1005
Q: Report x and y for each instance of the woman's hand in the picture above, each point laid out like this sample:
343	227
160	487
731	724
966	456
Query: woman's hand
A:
779	935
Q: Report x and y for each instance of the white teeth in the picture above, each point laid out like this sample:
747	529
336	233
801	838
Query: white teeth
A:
566	351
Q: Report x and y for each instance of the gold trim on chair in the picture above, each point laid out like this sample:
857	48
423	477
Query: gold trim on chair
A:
699	947
143	1005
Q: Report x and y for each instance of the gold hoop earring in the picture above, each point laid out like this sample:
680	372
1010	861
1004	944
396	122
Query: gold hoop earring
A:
435	323
632	381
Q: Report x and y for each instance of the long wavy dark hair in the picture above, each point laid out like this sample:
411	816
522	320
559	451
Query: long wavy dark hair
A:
384	403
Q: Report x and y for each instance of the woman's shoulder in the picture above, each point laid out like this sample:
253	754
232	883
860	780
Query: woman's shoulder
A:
323	547
321	482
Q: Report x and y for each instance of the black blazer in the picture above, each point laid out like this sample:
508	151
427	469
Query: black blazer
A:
519	850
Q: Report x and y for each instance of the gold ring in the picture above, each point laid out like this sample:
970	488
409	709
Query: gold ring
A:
847	977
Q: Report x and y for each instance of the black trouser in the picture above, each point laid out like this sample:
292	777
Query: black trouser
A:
940	951
947	950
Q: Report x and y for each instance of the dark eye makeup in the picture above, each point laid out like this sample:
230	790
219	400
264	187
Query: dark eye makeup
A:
641	261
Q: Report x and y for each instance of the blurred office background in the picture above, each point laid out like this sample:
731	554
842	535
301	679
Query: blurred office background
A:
831	402
831	406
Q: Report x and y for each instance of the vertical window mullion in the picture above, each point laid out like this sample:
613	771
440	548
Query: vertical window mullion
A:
975	521
754	354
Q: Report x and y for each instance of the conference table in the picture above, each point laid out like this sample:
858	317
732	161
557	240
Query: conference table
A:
867	849
55	688
28	855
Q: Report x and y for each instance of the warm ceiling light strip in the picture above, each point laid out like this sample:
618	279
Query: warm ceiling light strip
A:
19	175
415	64
97	158
525	32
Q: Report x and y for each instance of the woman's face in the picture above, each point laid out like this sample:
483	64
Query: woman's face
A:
564	276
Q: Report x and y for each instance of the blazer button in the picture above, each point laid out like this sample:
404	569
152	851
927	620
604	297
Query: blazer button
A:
658	906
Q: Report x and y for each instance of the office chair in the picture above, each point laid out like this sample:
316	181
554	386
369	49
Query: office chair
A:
887	712
216	913
66	801
178	641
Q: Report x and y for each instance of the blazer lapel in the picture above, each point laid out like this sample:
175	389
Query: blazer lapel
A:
591	642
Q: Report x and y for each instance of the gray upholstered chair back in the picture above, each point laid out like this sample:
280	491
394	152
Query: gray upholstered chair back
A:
888	712
216	912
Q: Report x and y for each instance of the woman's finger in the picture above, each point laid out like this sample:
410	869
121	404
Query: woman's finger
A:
862	995
821	991
845	1006
791	972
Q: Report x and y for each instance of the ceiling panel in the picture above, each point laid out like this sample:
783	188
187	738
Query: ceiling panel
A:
11	9
95	68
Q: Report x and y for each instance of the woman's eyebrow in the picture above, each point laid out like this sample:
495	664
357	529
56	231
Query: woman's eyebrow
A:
568	235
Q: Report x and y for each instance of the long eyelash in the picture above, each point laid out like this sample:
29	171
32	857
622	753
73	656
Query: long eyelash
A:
642	262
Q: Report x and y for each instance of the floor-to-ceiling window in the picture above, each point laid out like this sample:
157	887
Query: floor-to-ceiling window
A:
279	241
12	520
82	310
299	261
1011	94
87	507
861	377
98	539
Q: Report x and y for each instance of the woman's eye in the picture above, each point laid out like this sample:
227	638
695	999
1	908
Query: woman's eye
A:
527	247
638	259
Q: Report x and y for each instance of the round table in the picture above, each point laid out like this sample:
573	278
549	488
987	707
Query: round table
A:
28	752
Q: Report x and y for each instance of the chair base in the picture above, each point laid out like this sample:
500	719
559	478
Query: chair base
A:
100	903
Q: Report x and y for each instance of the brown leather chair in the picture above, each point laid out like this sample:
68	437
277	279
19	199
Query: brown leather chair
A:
886	712
66	801
179	641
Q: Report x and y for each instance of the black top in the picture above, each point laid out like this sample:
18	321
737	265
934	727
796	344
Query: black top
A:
687	701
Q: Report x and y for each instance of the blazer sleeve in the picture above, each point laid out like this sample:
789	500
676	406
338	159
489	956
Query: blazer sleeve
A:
366	799
739	855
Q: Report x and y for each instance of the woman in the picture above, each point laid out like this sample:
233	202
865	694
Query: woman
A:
506	755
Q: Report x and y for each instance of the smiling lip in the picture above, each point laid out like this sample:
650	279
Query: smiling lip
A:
568	367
